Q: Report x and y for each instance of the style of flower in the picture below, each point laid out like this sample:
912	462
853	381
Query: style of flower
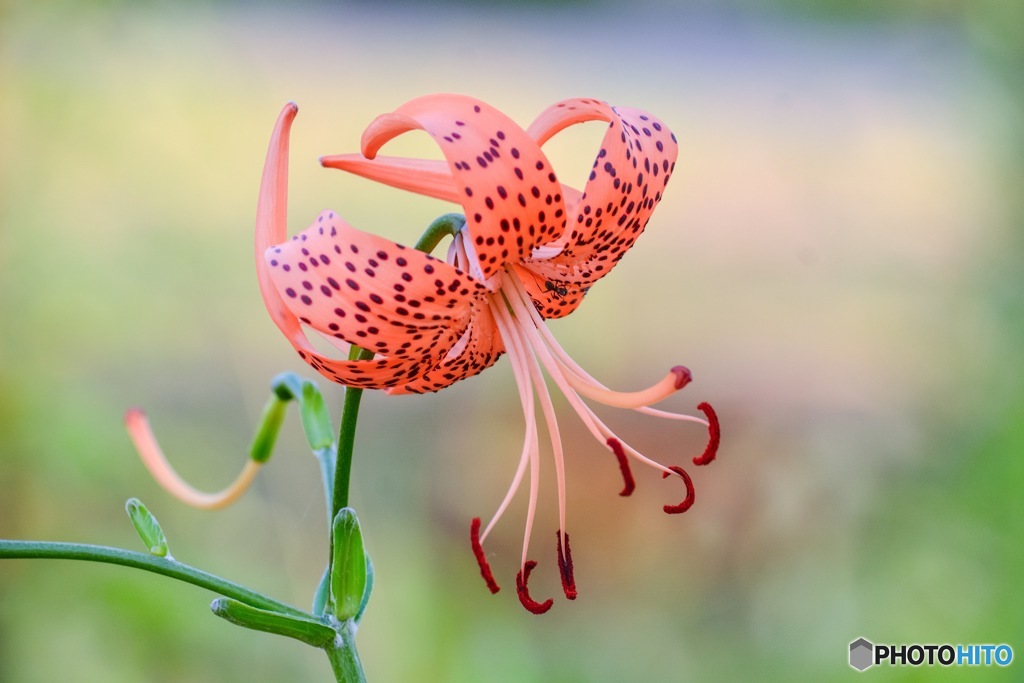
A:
530	249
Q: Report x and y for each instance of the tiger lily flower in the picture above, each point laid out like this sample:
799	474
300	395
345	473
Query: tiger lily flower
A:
530	249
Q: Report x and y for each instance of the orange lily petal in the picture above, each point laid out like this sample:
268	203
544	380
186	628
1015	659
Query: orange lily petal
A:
382	371
272	219
637	157
477	350
369	291
428	177
512	205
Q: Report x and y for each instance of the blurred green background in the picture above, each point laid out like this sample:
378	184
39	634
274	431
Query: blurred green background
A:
838	259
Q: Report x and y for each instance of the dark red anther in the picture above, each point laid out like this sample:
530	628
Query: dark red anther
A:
627	474
688	502
524	595
714	435
478	551
683	376
565	566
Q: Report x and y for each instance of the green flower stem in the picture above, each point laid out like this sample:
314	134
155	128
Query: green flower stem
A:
157	565
448	224
344	657
347	438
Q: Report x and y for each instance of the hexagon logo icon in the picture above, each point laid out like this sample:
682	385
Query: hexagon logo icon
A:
861	654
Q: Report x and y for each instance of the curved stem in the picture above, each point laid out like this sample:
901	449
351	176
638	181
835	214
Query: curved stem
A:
344	657
449	224
150	563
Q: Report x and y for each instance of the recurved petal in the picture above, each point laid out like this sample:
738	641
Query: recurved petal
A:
382	372
367	290
429	177
509	192
478	349
379	373
272	219
636	159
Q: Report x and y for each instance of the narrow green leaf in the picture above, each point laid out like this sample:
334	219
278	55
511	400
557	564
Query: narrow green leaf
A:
323	593
348	569
308	631
147	527
316	421
270	424
367	590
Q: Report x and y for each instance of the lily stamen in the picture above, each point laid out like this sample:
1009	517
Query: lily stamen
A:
524	594
594	424
690	492
565	565
715	435
629	484
669	385
481	559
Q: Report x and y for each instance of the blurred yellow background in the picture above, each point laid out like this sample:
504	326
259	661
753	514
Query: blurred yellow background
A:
838	259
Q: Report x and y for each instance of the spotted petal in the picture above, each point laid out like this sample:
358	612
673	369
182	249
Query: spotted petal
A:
477	350
369	291
636	159
511	197
410	338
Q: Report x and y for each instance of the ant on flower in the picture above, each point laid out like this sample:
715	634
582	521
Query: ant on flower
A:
558	292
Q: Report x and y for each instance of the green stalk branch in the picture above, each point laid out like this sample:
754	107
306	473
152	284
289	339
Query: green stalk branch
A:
149	563
344	657
347	438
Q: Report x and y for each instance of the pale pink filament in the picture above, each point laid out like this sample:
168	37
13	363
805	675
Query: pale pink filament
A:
530	345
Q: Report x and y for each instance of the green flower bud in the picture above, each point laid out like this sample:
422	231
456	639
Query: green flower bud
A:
309	631
147	527
348	569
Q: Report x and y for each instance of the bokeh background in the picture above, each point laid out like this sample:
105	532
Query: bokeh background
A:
838	259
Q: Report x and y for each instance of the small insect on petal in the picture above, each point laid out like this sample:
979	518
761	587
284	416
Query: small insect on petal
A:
714	435
565	566
688	501
481	559
524	594
627	474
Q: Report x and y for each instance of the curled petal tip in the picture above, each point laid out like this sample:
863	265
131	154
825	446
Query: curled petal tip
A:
714	435
683	376
524	594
